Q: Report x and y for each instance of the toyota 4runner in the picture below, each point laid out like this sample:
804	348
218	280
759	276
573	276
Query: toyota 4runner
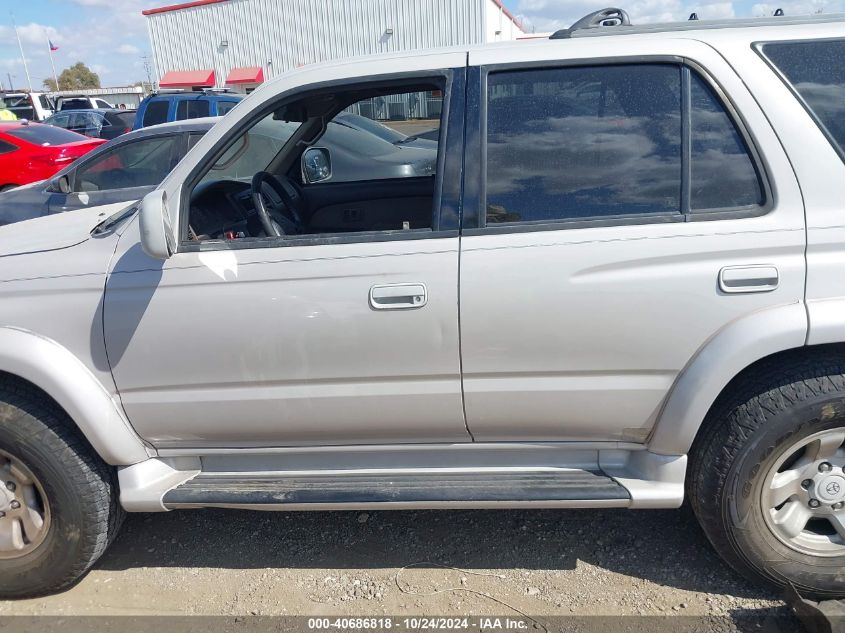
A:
619	283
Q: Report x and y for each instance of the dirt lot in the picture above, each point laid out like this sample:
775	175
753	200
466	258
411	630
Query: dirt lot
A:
541	563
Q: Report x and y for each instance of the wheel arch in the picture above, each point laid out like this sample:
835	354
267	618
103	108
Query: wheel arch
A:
735	349
54	370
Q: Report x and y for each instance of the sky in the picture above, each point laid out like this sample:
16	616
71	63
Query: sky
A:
110	36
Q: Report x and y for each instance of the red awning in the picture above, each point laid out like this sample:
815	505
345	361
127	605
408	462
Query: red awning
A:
249	75
188	78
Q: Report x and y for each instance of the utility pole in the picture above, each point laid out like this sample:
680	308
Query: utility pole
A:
149	68
23	57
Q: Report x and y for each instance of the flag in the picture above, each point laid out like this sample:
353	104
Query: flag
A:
53	47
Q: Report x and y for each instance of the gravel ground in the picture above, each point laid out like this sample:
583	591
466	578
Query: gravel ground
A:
541	563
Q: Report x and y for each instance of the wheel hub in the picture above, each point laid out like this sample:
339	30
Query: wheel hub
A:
803	496
830	489
24	511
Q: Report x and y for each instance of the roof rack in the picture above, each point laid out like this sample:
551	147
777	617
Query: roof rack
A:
613	21
601	18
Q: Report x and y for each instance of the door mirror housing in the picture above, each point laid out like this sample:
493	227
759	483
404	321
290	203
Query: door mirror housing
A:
316	165
60	184
156	226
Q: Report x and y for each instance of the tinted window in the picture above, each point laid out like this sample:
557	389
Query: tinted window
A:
722	173
223	107
817	73
136	164
44	134
156	112
193	139
191	109
583	142
6	148
75	104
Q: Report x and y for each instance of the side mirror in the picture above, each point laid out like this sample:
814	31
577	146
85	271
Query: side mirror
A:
60	184
155	226
316	165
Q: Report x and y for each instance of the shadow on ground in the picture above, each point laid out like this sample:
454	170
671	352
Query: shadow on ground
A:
664	547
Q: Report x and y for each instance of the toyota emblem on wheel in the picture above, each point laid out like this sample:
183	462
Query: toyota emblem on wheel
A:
833	488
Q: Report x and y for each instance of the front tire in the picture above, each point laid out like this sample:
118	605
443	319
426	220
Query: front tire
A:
58	499
767	481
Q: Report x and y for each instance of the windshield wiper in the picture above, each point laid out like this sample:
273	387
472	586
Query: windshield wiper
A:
113	220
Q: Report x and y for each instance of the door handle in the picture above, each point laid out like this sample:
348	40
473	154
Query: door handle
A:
741	279
398	296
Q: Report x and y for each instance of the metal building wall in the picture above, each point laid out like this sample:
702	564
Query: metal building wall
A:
281	34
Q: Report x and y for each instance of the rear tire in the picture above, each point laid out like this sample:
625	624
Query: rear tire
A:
74	493
771	454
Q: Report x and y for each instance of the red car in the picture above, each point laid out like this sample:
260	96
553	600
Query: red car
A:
31	151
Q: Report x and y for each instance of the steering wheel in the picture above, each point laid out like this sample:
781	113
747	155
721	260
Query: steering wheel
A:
283	219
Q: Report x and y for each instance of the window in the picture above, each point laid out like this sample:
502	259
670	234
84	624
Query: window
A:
361	161
190	109
142	163
722	174
102	104
44	135
193	139
156	112
223	107
6	147
583	143
608	141
75	104
816	72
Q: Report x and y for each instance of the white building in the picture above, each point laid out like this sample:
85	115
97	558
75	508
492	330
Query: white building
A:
241	43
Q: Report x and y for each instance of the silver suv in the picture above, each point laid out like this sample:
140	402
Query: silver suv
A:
621	283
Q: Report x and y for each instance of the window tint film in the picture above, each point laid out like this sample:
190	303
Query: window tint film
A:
817	73
722	173
136	164
156	112
186	109
585	142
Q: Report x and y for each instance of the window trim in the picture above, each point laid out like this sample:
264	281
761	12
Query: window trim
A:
757	47
474	221
446	206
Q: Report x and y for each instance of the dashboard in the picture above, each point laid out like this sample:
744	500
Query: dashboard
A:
223	209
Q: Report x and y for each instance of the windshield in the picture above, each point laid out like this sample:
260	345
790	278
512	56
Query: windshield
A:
45	135
253	152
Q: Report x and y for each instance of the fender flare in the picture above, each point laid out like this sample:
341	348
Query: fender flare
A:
723	356
60	374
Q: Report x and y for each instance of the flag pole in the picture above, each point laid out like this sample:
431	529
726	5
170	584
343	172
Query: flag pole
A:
52	63
23	57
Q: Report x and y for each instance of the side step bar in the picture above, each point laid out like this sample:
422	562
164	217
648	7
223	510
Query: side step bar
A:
451	489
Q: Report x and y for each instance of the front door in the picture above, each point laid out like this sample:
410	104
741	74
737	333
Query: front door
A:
625	216
342	329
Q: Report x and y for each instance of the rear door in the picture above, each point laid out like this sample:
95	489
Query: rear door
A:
618	213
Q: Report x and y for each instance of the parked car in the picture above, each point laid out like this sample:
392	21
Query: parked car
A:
33	106
179	106
81	102
134	164
107	124
387	133
32	151
621	287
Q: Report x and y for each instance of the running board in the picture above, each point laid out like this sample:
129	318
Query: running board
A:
471	475
453	489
